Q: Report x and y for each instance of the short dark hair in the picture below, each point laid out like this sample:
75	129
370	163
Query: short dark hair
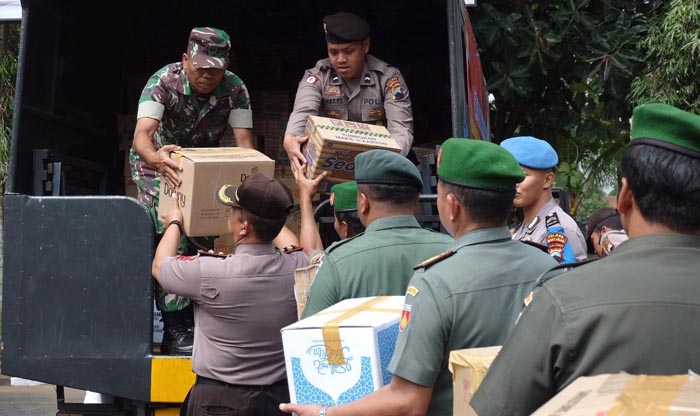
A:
352	218
665	185
394	194
613	221
484	205
266	229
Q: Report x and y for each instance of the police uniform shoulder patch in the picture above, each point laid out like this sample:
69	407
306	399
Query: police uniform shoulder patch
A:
210	253
434	259
395	87
292	249
311	79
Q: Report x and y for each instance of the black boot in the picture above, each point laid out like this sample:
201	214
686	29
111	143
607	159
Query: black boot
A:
178	332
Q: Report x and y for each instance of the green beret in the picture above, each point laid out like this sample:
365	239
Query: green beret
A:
345	27
385	167
668	127
478	164
344	196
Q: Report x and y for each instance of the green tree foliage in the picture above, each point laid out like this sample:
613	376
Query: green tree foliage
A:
672	74
561	71
9	47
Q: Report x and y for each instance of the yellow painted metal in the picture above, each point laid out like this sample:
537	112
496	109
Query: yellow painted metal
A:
171	411
171	378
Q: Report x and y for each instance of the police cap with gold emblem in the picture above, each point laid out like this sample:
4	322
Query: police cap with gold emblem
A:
344	197
384	167
478	164
345	27
260	195
667	127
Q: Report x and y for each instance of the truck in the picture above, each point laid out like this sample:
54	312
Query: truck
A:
77	294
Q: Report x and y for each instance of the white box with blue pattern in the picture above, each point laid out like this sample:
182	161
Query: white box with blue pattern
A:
342	353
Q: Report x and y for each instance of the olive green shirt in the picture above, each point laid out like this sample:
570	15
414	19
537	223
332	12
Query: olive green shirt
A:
470	299
378	262
637	310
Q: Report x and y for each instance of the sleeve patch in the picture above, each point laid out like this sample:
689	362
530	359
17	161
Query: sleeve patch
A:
311	79
396	88
405	317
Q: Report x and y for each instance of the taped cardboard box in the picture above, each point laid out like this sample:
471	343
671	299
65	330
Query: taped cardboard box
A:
333	145
341	353
468	367
303	278
626	394
204	170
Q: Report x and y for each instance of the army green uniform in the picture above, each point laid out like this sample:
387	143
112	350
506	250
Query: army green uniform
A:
637	310
469	298
376	262
380	98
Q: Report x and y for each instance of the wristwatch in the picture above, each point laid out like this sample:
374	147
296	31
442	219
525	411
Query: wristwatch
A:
322	411
179	225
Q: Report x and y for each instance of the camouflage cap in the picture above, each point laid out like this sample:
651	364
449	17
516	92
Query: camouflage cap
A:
208	48
260	195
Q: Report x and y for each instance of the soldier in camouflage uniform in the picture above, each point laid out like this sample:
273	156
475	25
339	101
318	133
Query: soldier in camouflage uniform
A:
350	85
186	104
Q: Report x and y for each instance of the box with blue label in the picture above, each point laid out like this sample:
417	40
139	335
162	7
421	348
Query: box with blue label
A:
341	353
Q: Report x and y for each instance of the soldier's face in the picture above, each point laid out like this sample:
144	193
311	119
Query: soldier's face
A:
204	80
534	188
348	59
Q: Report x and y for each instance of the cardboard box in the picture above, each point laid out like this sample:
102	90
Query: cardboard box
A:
303	278
626	394
468	368
341	353
204	170
333	145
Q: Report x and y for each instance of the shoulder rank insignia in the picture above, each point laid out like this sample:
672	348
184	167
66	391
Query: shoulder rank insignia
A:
412	290
317	258
292	249
186	258
434	259
211	253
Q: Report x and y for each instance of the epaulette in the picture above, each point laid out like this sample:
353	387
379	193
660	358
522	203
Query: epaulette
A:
341	242
557	270
434	259
210	253
292	249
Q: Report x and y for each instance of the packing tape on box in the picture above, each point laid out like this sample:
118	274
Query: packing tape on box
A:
331	330
635	398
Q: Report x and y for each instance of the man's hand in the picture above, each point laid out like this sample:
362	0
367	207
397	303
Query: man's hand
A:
307	187
168	168
293	145
300	409
173	213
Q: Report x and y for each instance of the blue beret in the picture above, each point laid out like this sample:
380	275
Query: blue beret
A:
531	152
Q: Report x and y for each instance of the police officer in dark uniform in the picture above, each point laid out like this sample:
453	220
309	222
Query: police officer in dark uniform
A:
350	85
636	310
241	301
468	296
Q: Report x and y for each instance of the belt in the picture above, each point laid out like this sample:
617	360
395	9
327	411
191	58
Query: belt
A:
214	382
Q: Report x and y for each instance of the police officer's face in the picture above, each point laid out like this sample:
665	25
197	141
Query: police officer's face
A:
595	239
534	188
348	59
204	80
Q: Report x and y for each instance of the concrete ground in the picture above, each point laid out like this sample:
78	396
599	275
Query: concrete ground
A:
32	400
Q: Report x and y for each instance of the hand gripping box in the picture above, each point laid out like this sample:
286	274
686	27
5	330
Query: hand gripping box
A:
341	353
204	170
333	145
